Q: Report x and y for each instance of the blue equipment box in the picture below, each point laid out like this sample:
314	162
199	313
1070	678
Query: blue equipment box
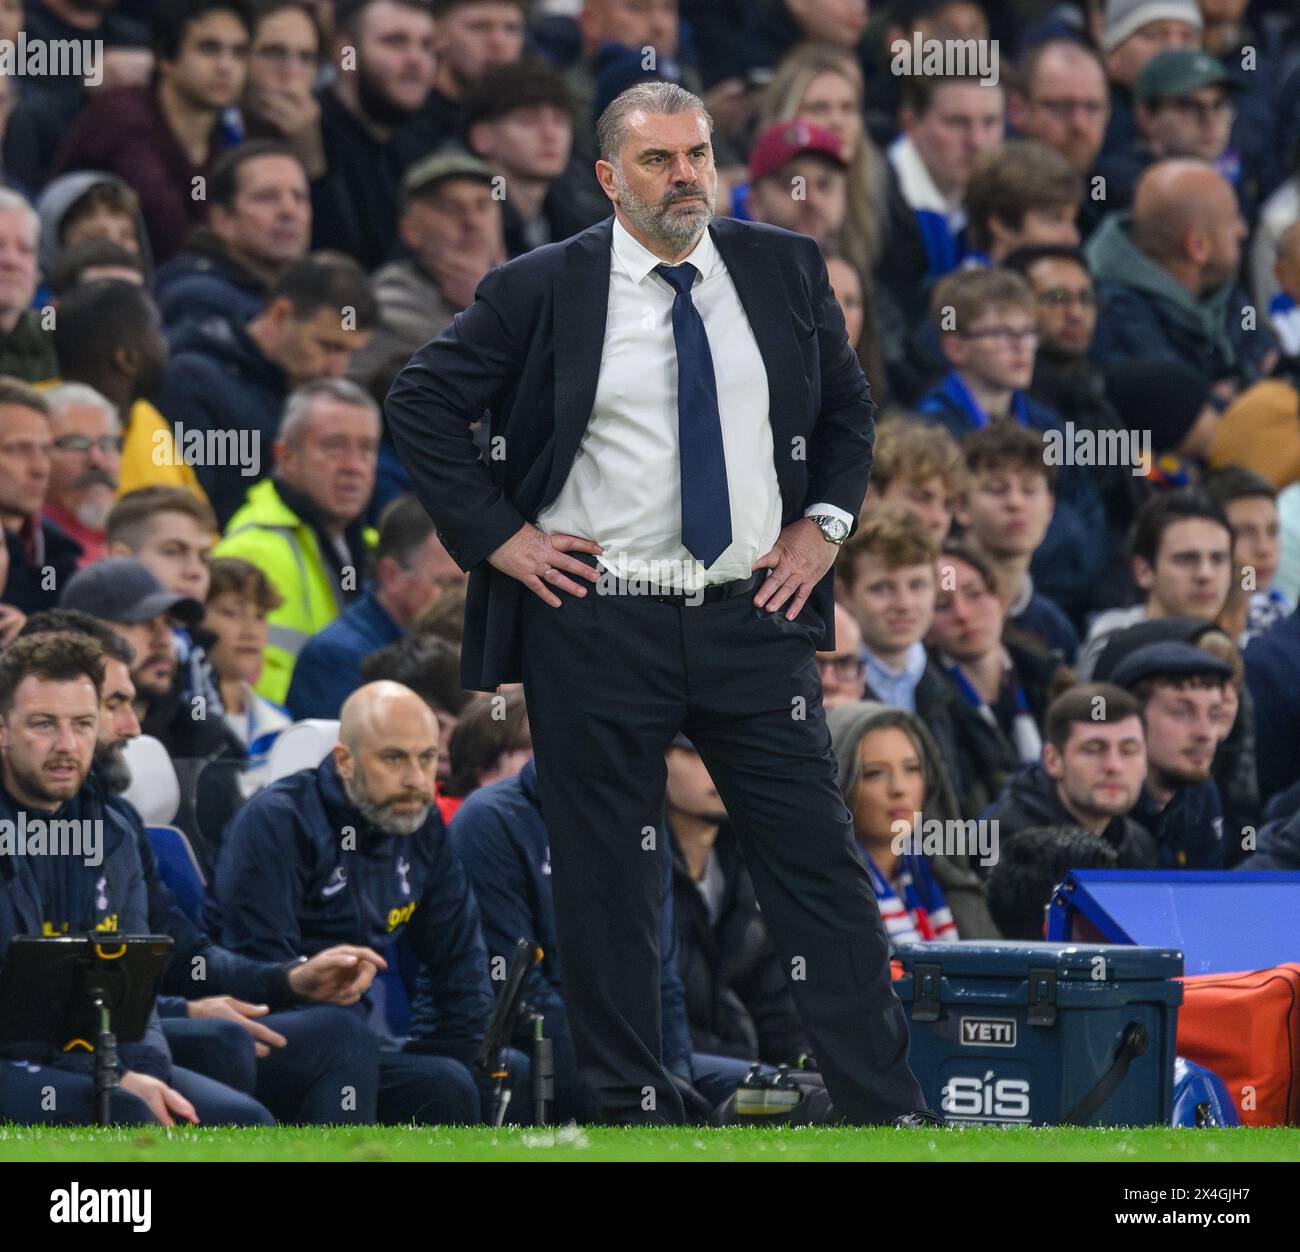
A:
1199	911
1043	1034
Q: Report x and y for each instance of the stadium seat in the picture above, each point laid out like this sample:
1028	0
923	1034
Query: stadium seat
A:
155	791
304	745
179	868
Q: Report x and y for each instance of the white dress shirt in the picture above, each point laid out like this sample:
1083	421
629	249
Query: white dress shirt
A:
624	488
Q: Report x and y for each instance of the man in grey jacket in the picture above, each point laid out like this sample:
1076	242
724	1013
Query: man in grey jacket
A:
451	223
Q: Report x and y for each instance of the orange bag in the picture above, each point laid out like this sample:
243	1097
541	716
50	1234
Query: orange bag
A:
1246	1028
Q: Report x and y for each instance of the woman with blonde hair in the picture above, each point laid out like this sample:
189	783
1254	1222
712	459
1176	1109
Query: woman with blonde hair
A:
823	84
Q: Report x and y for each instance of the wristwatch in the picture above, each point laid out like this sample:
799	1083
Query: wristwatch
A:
834	529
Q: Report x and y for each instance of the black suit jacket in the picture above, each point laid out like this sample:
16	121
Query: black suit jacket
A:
529	349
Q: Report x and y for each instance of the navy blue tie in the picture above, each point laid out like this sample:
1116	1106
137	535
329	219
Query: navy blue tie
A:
706	506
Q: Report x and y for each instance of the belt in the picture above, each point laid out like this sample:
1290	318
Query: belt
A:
709	594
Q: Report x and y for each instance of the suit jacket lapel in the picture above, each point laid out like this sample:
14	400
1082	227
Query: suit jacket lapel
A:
757	280
581	301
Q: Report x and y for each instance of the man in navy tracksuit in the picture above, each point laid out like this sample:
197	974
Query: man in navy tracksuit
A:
355	852
501	839
214	1002
49	713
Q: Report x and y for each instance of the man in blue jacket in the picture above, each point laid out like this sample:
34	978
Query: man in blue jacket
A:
84	879
354	852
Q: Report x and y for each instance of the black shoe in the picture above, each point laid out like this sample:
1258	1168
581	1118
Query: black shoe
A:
919	1119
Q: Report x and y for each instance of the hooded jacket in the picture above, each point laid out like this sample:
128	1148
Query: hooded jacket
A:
1030	799
961	885
1146	312
204	281
59	196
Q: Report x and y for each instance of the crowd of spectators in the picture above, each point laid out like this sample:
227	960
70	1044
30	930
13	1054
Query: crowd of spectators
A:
1067	609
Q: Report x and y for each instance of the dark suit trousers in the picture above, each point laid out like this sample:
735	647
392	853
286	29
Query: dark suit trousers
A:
608	681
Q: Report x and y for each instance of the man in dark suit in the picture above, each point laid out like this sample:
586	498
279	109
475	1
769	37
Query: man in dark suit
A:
677	418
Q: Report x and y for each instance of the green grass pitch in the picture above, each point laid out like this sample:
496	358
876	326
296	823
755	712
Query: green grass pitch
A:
587	1143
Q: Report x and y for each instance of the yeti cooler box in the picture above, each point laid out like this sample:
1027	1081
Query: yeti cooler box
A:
1043	1033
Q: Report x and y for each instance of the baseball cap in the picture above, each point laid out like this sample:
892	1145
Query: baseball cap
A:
122	589
425	175
1179	71
1169	660
781	142
1125	17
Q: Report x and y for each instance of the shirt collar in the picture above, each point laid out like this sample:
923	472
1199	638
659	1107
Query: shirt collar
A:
637	260
912	668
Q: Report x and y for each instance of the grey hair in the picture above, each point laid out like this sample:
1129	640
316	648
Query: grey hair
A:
67	394
11	200
651	97
297	410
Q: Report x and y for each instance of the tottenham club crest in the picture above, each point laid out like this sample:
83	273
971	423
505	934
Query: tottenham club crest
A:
403	868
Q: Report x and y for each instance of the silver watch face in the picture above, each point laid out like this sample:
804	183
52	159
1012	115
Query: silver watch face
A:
836	530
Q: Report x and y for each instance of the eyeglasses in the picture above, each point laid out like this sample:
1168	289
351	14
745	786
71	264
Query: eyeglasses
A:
1062	109
1058	297
845	667
1204	112
84	443
1005	334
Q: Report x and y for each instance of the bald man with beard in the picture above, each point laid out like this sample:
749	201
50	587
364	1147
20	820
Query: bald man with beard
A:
354	852
1167	279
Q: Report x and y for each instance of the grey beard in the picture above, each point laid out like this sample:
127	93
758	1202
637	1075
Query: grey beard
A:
654	219
379	815
93	514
